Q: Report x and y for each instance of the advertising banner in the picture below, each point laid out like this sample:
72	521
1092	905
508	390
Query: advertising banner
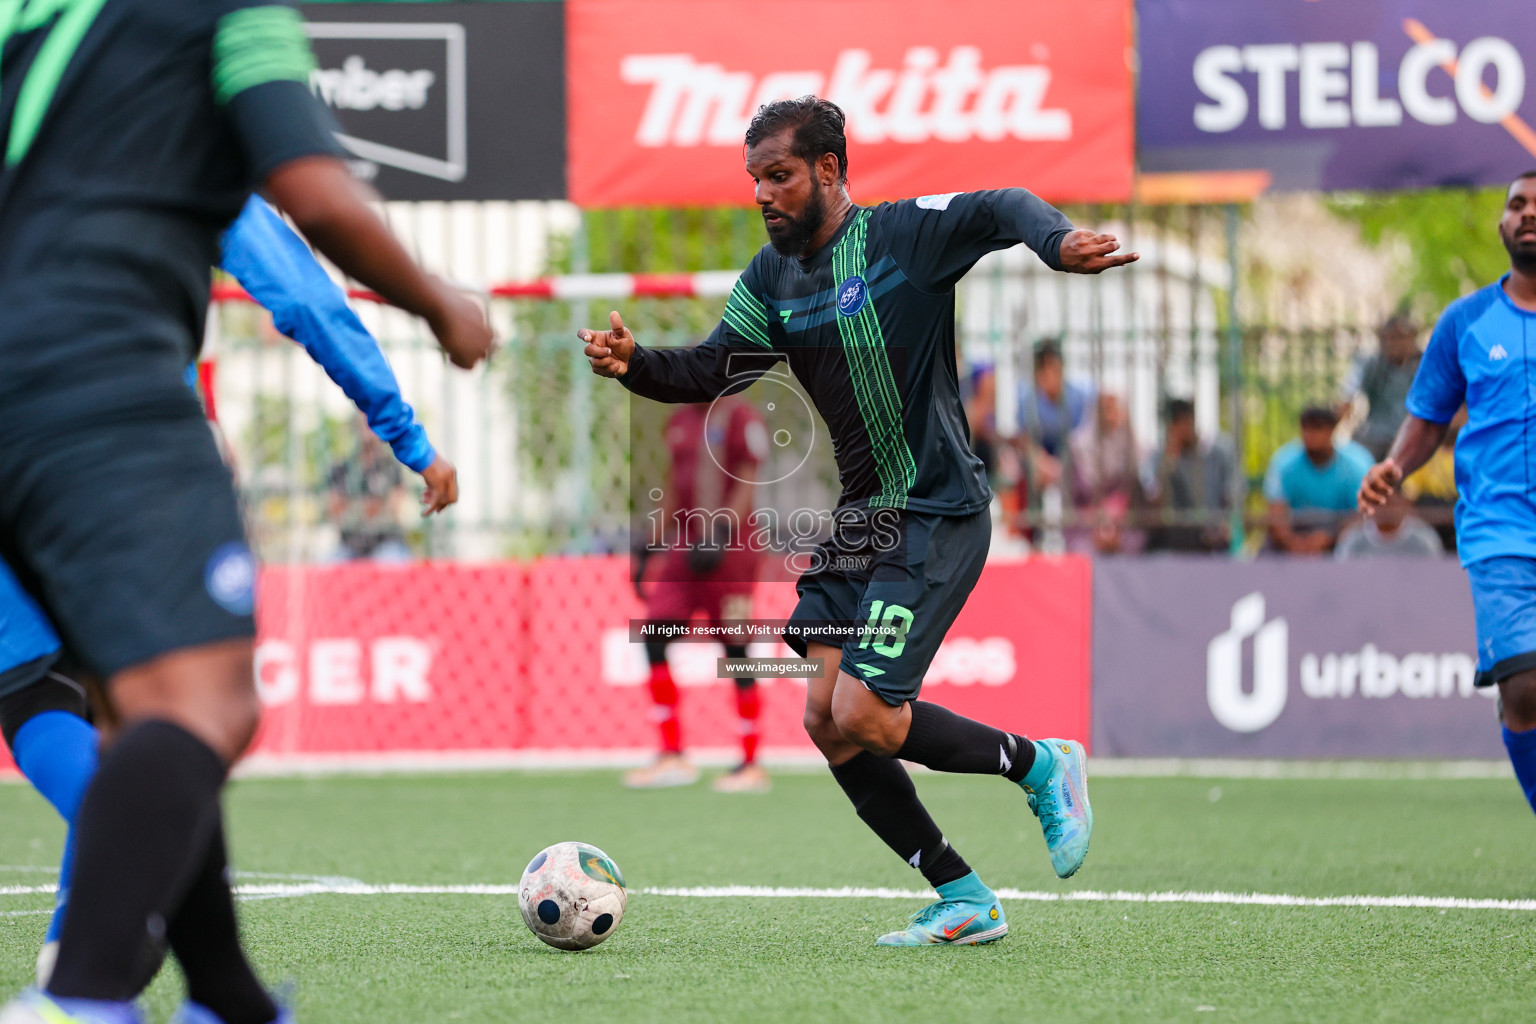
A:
1365	94
446	100
976	94
1279	658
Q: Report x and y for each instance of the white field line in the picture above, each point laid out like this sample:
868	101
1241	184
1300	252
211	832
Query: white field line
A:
347	888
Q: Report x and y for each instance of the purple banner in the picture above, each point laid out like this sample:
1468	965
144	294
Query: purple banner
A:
1287	659
1339	94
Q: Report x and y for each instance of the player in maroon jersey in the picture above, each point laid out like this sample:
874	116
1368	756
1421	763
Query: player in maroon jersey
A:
707	567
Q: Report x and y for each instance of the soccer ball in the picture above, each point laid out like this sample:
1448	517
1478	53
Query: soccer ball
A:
572	896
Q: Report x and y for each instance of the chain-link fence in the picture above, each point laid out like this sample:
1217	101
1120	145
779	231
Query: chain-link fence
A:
543	446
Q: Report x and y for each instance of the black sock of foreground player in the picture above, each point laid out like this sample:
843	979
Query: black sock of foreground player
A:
946	742
142	835
205	937
883	795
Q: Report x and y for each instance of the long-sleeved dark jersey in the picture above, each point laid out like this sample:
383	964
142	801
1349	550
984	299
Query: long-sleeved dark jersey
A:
867	325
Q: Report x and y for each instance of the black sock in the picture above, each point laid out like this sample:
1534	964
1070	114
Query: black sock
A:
142	835
205	937
946	742
883	795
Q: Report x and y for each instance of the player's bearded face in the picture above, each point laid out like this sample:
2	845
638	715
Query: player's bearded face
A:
790	235
1517	228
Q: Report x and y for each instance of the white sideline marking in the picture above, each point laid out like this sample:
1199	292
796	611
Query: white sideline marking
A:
351	888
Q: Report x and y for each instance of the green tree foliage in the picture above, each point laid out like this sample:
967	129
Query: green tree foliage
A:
1451	236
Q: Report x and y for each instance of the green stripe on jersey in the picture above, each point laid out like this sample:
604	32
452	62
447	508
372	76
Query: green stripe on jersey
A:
256	45
869	367
747	315
74	20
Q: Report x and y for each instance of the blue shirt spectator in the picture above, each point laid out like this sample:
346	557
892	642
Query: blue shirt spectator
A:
1050	407
1311	485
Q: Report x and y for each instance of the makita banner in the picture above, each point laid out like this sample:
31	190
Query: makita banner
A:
446	100
940	98
1366	94
1281	658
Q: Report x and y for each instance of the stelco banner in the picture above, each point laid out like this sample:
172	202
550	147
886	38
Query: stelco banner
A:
1287	659
445	100
966	95
1339	94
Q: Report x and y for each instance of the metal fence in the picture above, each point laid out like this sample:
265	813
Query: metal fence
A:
543	447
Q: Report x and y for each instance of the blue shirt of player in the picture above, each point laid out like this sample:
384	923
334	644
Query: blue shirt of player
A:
1295	479
1483	352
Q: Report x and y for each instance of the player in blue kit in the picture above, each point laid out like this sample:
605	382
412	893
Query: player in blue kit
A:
135	132
1483	354
42	709
860	301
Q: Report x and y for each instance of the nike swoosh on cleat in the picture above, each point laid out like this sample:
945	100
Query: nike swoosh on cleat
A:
950	933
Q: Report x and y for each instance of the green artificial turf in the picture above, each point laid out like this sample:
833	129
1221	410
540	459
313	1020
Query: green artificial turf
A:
415	958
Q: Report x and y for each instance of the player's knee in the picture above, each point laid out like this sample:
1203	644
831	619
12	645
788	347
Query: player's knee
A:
861	724
823	731
1519	697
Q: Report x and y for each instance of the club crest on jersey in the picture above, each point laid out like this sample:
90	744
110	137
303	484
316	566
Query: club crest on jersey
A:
230	577
851	296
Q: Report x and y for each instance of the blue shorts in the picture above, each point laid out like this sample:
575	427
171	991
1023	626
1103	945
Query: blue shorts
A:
28	644
1504	602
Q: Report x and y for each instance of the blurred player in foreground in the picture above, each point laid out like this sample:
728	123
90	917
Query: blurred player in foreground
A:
115	509
43	709
861	302
715	451
1480	355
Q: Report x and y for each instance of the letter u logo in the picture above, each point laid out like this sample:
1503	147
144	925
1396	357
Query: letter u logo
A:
1233	708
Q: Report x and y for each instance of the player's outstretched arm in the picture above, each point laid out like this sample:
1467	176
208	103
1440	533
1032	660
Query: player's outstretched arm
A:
331	208
1088	252
1416	441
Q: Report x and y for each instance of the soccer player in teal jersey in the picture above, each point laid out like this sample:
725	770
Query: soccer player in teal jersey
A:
134	132
1482	354
860	302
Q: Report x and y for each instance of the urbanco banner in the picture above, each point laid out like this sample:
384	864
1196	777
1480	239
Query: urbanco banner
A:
1279	658
965	95
446	100
1338	94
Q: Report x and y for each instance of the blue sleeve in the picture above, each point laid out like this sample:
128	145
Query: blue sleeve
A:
277	268
936	239
1274	475
25	632
1439	387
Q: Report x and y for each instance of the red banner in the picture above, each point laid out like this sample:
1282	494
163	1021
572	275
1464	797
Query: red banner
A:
965	95
446	659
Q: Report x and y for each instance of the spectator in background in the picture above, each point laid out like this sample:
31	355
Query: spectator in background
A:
1383	381
978	388
1311	485
1050	409
1105	481
365	496
1393	532
1190	480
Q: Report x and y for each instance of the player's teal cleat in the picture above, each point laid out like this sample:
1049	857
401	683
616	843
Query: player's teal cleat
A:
34	1007
1058	794
967	914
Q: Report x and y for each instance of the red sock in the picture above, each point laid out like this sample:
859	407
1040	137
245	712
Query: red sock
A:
747	708
664	696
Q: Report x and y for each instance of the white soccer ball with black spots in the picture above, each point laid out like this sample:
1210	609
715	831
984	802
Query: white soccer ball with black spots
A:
572	896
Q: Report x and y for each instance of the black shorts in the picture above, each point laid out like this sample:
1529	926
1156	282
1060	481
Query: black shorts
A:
912	572
118	514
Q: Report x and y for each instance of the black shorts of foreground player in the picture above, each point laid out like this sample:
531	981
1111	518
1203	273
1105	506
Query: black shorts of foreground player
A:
115	510
860	302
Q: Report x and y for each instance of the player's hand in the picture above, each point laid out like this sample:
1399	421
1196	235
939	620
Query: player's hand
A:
1087	252
1378	485
442	482
461	327
609	350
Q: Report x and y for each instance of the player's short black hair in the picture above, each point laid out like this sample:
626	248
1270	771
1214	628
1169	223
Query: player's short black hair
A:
818	125
1319	416
1178	409
1048	350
